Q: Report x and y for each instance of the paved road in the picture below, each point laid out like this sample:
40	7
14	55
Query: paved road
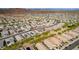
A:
24	32
72	46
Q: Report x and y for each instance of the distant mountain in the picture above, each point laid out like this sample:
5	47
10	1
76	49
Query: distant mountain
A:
14	11
11	11
57	9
